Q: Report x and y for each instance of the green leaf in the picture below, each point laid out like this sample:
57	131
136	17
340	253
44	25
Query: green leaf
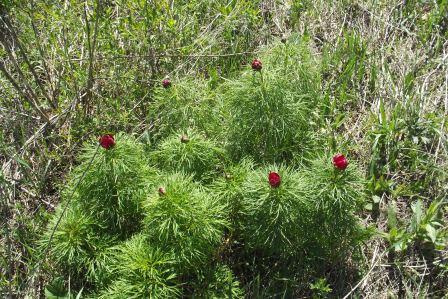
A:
417	215
56	289
432	233
392	215
376	199
79	294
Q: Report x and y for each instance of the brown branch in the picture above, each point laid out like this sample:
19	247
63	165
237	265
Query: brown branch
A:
19	90
91	45
22	51
53	102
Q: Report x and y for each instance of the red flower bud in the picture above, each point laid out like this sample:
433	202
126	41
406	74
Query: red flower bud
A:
166	83
340	162
274	179
162	191
107	141
184	139
256	65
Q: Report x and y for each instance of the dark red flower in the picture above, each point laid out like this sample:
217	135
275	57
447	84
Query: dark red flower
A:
166	83
340	162
162	191
107	141
274	179
184	139
256	65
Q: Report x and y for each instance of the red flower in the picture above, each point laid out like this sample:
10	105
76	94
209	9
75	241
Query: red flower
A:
274	179
162	191
256	65
166	83
340	162
107	141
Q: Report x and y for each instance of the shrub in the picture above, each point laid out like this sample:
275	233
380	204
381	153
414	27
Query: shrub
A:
185	220
191	153
229	190
140	271
335	196
219	283
186	104
273	216
112	185
103	196
269	113
76	247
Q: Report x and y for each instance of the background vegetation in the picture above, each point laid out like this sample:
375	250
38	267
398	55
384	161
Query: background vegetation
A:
366	78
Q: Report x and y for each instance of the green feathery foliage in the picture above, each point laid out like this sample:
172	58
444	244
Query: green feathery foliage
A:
269	113
219	283
335	197
104	195
229	190
113	185
186	220
76	247
185	104
273	217
191	153
140	271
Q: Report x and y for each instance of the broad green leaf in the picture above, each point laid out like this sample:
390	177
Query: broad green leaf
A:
432	233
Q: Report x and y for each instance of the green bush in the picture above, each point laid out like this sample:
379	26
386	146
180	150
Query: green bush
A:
335	197
112	185
163	223
185	104
76	248
273	217
185	220
141	271
229	190
191	153
104	197
269	113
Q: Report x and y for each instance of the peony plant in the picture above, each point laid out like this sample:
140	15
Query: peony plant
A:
189	152
184	220
269	114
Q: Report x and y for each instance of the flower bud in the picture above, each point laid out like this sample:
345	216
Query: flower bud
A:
184	139
166	83
274	179
107	141
340	162
162	191
256	65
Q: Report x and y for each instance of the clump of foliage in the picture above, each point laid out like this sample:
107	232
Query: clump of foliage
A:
184	104
268	111
273	216
233	186
312	212
218	283
102	204
141	232
189	152
112	184
77	245
184	219
335	197
229	190
425	228
138	270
